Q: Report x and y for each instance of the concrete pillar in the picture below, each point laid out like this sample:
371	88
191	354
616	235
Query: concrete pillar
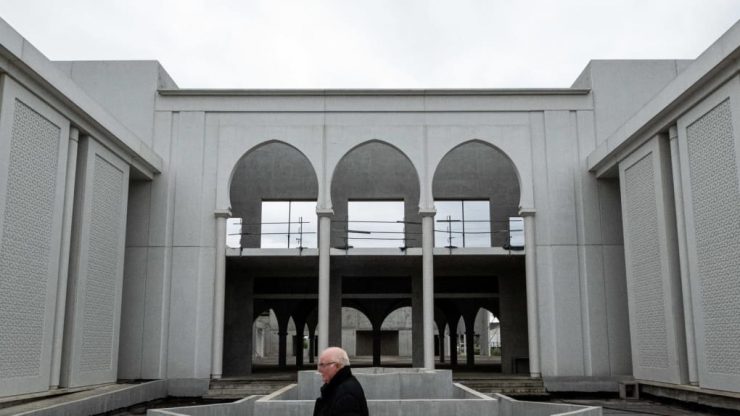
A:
530	261
69	193
298	347
238	345
324	275
219	292
335	310
442	346
311	321
453	342
484	333
469	340
427	250
282	348
311	346
417	321
441	337
376	345
688	310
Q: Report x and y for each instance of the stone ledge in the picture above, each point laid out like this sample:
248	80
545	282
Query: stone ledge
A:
692	394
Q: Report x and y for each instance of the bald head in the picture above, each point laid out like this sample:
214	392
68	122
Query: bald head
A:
331	361
336	355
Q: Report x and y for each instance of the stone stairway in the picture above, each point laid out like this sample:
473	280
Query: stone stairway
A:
517	387
238	389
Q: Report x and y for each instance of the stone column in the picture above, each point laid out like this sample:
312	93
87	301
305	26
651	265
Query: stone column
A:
531	277
298	345
688	311
324	275
442	346
282	348
376	345
335	310
311	345
453	345
441	340
483	322
427	250
69	193
417	321
311	322
470	345
217	342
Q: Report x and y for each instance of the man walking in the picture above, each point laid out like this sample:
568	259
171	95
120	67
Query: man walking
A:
341	394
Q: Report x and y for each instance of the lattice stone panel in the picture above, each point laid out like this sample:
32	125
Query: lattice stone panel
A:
645	266
716	206
100	291
25	245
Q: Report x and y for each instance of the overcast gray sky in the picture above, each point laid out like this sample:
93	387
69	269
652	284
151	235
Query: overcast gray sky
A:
371	44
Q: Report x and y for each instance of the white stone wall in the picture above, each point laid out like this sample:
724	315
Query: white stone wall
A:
709	145
578	259
651	256
579	251
33	154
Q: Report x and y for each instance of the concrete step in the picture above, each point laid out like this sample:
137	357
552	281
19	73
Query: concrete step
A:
519	386
232	390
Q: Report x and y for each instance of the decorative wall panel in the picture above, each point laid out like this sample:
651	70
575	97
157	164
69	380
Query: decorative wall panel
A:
94	306
716	212
645	266
27	241
100	293
33	151
651	264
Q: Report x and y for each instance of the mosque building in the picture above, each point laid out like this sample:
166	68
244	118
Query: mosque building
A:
160	233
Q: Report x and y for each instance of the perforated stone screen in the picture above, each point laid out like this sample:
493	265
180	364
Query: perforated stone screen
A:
100	292
25	243
647	282
716	205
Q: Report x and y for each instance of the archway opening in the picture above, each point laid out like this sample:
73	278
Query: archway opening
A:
375	172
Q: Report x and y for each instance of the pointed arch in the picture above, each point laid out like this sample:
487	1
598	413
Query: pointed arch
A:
376	170
272	170
478	170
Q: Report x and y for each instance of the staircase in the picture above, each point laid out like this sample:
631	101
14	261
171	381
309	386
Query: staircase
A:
517	387
238	389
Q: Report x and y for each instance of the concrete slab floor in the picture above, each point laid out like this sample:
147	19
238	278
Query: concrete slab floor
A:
612	407
618	407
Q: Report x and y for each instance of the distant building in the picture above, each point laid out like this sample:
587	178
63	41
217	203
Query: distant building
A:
600	224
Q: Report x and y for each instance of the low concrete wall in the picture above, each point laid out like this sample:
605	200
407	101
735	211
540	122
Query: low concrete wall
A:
389	391
187	387
105	402
511	407
693	394
243	407
584	384
397	383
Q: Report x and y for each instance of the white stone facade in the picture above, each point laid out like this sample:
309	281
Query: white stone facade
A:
115	186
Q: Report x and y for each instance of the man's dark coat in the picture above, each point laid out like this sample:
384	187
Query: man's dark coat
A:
342	396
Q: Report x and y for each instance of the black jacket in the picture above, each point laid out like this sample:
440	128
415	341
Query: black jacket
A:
342	396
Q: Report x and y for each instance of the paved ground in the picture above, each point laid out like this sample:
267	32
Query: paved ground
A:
612	407
616	407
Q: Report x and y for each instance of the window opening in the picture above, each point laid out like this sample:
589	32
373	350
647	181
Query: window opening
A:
463	223
515	239
288	224
375	224
284	224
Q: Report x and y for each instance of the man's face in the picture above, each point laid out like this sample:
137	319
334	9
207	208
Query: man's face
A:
328	367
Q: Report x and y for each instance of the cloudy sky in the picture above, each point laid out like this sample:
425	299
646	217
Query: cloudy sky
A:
371	44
